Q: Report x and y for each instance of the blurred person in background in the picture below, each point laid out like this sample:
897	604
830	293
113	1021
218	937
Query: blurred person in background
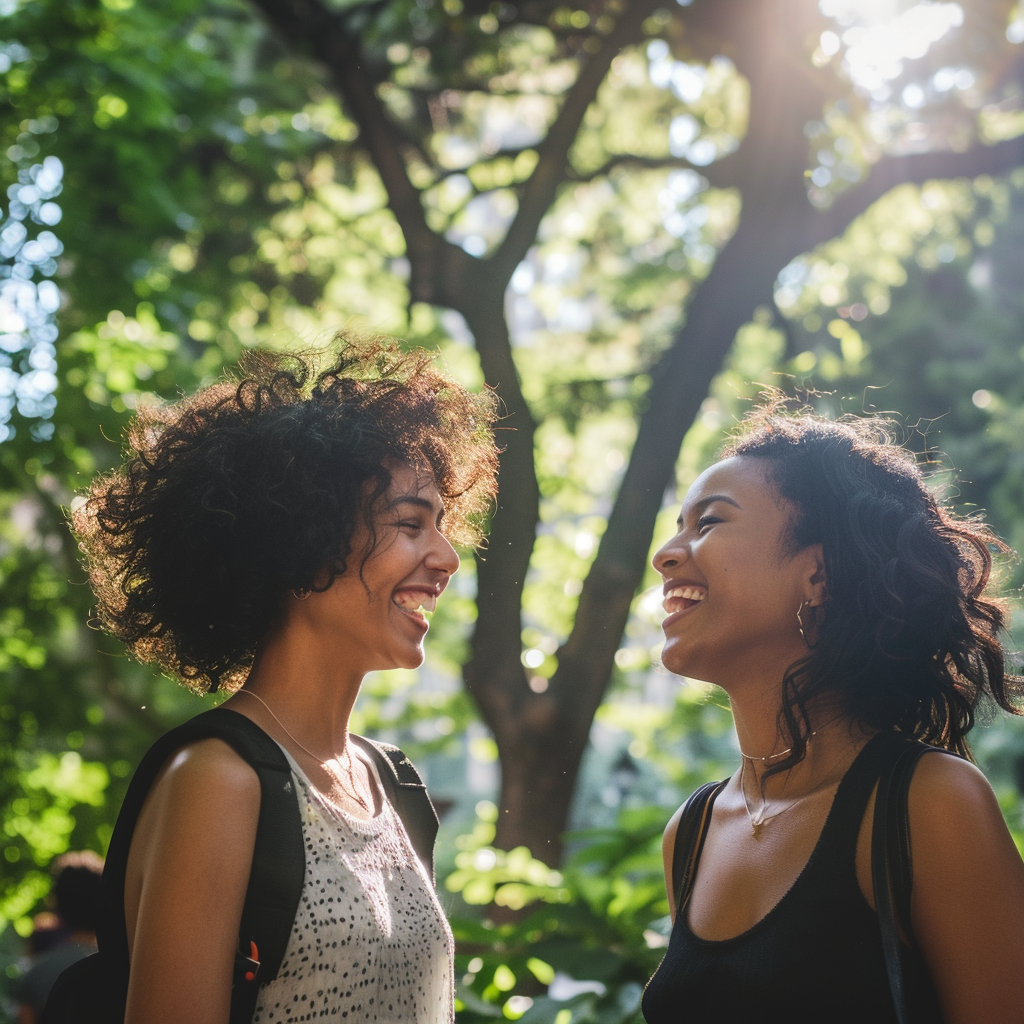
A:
64	936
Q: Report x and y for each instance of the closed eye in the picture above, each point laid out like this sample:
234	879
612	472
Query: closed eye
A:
705	521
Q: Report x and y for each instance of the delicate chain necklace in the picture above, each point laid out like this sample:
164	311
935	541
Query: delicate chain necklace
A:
768	757
325	764
760	819
788	750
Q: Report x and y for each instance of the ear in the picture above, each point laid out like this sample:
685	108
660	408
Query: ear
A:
815	582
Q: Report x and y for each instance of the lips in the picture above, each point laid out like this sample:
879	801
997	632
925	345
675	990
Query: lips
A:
416	602
680	597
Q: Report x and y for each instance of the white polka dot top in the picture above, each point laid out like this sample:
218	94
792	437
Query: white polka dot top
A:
370	943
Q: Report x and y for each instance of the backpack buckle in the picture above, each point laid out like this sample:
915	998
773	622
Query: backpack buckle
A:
247	967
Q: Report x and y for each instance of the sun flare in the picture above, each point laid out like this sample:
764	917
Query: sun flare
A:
879	36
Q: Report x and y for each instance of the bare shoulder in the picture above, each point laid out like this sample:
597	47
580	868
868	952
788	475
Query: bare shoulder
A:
941	769
668	839
957	829
967	899
198	821
950	791
189	861
668	845
209	764
204	793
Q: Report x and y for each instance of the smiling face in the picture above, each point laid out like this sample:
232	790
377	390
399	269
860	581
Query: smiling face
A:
376	613
732	586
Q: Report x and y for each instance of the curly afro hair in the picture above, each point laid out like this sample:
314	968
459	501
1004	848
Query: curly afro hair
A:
253	487
907	637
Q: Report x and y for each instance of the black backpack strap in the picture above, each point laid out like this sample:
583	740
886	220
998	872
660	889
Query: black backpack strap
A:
690	835
891	874
408	795
278	862
278	866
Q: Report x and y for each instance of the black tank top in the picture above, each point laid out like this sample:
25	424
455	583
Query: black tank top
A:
815	957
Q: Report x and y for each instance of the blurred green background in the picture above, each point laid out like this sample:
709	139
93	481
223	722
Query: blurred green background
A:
627	217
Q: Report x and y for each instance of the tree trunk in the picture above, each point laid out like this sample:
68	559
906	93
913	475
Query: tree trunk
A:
542	737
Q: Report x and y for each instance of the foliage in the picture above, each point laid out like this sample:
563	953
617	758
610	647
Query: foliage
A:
139	106
38	822
931	330
220	190
600	920
589	935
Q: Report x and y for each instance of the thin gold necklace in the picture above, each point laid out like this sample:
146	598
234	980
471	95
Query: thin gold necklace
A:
788	750
325	764
760	819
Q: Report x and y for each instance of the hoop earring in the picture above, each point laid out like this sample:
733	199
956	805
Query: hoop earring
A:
800	625
301	593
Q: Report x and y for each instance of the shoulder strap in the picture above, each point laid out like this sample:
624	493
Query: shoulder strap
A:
891	875
408	795
278	866
278	859
693	827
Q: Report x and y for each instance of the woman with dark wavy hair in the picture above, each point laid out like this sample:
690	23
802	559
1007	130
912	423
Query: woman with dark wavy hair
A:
843	609
278	536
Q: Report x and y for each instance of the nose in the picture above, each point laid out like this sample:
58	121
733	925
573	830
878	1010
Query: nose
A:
442	556
671	554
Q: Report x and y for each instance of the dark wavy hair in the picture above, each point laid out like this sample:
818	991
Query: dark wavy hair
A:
907	638
252	488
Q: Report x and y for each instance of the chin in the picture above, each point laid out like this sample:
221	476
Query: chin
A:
412	660
690	668
679	663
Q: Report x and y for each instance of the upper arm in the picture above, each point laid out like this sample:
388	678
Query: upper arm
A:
968	893
188	869
668	846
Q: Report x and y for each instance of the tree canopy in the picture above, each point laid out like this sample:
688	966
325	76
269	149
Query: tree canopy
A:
619	215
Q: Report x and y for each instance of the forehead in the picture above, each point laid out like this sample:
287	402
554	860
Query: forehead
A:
412	484
741	481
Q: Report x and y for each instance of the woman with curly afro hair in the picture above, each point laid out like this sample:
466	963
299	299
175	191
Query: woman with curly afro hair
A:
843	609
277	536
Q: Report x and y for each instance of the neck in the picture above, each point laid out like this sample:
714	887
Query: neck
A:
756	712
831	741
306	686
753	681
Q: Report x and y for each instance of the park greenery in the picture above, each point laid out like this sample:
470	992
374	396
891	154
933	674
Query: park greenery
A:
625	216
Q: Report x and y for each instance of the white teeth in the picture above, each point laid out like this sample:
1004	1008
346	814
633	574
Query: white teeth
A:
687	593
415	601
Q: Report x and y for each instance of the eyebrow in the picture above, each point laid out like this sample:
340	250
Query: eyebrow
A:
699	506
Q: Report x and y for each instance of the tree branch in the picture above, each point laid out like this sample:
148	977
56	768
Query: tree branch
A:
646	163
483	89
309	25
915	168
539	192
437	266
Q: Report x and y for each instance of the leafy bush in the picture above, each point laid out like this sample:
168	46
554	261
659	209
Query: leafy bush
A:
582	941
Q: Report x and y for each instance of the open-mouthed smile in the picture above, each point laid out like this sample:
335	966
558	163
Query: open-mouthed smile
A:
416	603
681	597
